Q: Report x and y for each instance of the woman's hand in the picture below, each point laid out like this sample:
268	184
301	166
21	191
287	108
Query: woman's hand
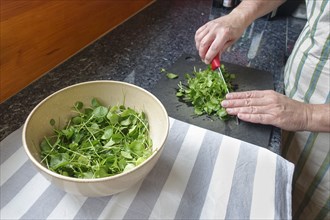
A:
270	107
217	35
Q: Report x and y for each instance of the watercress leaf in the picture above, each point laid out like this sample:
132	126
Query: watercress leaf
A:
126	154
126	122
147	153
77	137
198	111
83	160
95	103
209	82
114	118
214	101
100	112
128	167
149	142
140	160
107	133
137	147
109	143
122	163
117	137
52	122
127	112
58	160
65	173
114	109
73	146
87	175
67	133
78	105
122	108
133	131
102	171
45	145
222	112
110	159
172	75
77	120
88	112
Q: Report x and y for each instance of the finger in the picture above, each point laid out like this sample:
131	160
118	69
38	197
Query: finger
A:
202	39
249	110
217	47
200	34
223	35
214	50
256	118
205	45
247	94
201	28
246	102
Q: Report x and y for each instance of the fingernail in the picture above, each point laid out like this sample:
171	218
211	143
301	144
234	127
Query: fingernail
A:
224	103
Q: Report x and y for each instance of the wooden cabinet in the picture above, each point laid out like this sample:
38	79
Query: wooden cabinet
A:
38	35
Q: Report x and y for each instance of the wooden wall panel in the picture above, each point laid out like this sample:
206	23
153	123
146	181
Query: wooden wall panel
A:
38	35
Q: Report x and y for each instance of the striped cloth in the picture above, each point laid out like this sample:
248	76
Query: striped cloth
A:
201	174
307	79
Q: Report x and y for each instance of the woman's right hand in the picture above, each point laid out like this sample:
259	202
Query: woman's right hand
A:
217	35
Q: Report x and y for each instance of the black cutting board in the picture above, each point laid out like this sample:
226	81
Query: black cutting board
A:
246	79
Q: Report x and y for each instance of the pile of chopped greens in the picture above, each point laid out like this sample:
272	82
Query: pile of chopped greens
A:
98	142
205	90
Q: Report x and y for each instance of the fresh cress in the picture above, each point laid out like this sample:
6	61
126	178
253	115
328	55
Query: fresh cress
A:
98	141
205	90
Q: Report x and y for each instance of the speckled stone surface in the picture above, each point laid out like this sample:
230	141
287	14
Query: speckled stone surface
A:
153	39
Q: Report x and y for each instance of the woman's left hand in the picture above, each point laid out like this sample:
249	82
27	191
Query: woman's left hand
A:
267	107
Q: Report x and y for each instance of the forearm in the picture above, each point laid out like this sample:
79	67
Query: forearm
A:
249	10
318	118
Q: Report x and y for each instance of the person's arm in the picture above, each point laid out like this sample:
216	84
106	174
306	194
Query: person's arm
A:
249	10
270	107
319	118
217	35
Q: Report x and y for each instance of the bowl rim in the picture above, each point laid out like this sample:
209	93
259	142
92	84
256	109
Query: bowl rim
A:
101	179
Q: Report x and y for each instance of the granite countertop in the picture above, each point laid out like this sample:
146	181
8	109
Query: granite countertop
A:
155	38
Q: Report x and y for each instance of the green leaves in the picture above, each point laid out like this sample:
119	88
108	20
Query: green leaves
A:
100	112
169	75
205	90
97	142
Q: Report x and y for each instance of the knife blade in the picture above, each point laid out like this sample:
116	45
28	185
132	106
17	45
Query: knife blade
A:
215	64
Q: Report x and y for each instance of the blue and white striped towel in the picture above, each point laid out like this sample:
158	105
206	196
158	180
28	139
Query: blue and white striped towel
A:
200	175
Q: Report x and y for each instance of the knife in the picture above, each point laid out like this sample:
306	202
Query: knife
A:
215	64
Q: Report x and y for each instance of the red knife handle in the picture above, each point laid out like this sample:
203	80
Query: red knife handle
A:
215	64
